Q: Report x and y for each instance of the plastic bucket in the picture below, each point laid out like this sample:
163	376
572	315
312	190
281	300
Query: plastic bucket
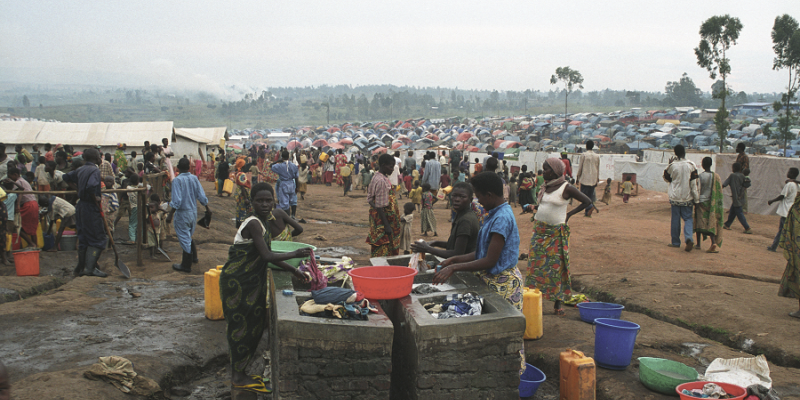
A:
592	311
383	282
613	342
738	392
530	380
27	263
68	242
286	247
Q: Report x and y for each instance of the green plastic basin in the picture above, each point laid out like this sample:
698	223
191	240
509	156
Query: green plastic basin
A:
286	247
663	376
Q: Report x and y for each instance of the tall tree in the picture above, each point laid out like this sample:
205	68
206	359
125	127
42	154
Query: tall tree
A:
571	79
683	93
786	44
717	35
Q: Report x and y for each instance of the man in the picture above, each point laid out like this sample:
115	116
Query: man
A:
567	166
346	179
744	161
444	165
287	187
91	231
738	183
588	175
786	199
105	167
455	160
55	178
410	163
49	155
167	154
683	192
186	192
433	173
58	208
223	171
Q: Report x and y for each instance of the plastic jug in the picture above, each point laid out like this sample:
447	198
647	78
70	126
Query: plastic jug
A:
577	376
213	299
532	309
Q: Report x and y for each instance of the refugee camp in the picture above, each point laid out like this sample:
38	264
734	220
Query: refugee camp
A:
184	217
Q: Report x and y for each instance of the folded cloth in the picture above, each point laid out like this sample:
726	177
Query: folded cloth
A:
119	372
333	295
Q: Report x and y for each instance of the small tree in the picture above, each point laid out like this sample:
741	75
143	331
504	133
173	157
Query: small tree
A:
717	35
571	78
786	44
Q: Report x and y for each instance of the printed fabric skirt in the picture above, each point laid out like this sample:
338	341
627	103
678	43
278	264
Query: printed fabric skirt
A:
508	284
548	261
790	242
381	244
428	220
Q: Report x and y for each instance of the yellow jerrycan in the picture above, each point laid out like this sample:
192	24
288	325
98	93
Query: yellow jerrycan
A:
532	309
577	376
213	299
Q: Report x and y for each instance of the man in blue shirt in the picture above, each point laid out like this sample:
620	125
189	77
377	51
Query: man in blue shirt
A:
91	231
433	172
287	186
186	192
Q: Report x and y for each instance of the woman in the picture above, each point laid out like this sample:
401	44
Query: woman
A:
708	212
463	232
384	218
548	259
243	288
790	242
341	161
282	227
243	208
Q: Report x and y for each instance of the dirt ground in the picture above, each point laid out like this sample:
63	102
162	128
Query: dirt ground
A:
53	327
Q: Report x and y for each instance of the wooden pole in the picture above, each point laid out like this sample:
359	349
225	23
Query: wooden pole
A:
141	229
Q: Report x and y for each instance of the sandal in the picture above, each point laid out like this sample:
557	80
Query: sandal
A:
559	311
257	387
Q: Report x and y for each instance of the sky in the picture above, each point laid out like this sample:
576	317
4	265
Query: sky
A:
254	44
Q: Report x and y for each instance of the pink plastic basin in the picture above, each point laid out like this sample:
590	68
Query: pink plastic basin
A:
738	392
383	282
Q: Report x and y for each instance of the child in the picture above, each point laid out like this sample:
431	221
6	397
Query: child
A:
41	175
30	177
428	219
512	191
133	220
110	203
302	180
416	196
738	184
627	188
155	221
405	222
506	189
366	177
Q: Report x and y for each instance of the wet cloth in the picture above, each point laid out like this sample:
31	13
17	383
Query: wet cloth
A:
186	192
91	230
119	372
243	290
548	261
359	310
708	214
334	295
460	305
381	245
287	173
335	273
790	242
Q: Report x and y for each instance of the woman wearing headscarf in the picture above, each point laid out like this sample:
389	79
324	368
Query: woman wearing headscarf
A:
242	197
548	259
384	218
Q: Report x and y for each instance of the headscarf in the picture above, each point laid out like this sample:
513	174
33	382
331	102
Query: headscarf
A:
558	168
239	164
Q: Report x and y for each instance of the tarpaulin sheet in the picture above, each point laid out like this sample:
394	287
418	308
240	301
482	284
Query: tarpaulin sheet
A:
649	175
767	177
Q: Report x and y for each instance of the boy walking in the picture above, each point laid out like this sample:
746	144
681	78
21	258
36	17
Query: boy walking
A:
786	200
738	184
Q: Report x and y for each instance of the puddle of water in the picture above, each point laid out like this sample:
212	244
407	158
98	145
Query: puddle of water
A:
338	251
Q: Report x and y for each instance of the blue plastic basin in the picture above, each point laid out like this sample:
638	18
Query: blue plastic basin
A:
591	311
530	380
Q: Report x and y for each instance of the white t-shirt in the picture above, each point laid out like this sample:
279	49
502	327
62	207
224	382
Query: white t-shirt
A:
789	192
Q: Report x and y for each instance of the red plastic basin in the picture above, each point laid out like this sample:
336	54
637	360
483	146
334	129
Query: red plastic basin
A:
738	392
383	282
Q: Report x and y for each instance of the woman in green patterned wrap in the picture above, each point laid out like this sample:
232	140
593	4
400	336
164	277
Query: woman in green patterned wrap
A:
243	287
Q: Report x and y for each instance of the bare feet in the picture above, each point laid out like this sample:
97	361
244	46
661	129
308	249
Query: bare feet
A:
712	249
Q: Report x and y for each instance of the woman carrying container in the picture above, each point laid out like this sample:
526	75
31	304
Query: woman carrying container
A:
243	208
244	287
548	259
464	229
384	218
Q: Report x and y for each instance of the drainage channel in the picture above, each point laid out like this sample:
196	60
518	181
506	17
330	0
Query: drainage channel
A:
775	355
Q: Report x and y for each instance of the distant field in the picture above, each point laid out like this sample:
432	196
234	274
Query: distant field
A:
199	115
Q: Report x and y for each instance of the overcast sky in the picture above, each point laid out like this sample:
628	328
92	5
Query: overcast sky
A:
504	45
